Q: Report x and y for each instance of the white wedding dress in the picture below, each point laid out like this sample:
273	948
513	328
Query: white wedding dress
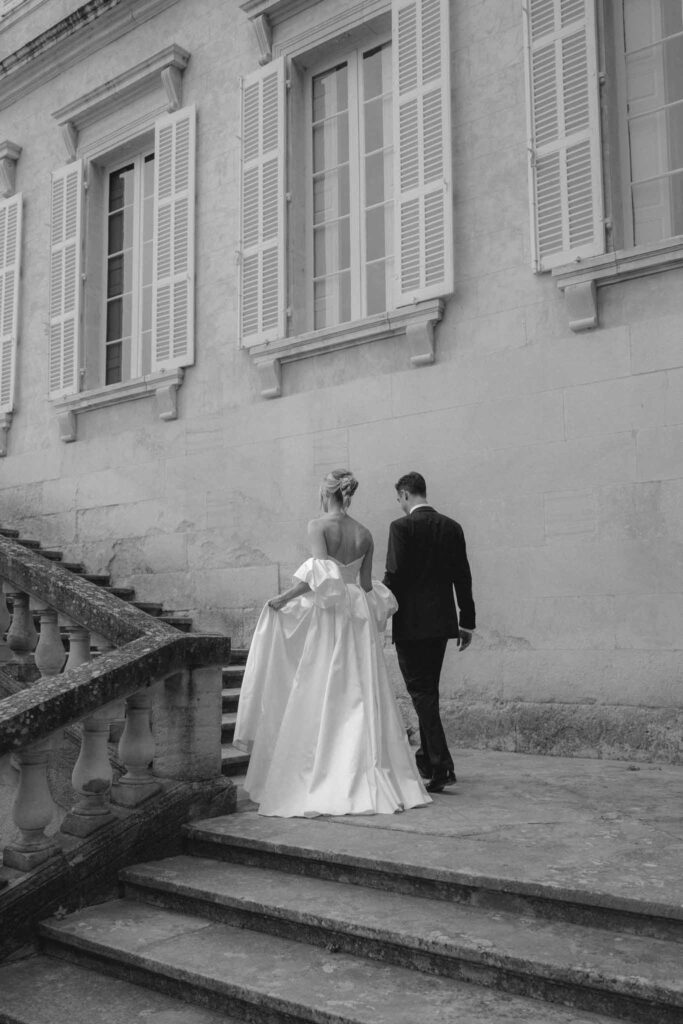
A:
317	711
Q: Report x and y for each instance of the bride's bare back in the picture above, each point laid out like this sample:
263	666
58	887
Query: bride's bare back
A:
345	539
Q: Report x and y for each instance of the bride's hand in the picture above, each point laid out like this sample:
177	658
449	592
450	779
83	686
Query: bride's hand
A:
276	603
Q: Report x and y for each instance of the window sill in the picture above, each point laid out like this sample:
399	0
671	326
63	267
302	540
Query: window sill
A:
161	386
416	323
580	280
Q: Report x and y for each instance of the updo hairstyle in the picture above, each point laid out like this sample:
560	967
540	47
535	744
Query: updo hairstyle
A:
338	487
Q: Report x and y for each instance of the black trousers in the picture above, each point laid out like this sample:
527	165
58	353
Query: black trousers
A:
420	662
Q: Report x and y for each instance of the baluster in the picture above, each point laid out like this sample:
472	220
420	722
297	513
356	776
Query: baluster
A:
92	775
50	654
21	636
5	620
33	810
136	751
118	708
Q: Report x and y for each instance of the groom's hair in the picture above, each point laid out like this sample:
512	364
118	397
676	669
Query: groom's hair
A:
414	483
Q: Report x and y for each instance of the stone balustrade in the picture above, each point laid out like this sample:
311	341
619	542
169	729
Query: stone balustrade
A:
160	673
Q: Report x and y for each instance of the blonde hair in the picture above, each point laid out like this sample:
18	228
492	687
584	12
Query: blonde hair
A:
341	485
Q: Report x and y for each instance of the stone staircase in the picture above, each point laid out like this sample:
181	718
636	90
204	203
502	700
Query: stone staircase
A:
281	921
234	761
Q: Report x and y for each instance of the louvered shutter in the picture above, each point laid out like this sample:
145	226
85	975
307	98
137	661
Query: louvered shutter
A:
65	279
564	124
263	209
10	251
422	155
66	283
174	202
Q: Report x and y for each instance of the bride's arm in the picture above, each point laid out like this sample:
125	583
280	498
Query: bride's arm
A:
316	542
366	568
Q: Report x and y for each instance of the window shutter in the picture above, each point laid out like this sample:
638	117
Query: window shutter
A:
174	202
10	251
564	127
65	279
263	206
422	155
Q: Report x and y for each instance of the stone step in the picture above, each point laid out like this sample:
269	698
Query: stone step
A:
99	579
268	978
233	675
180	622
427	866
228	720
233	761
124	593
148	607
44	990
238	656
626	976
12	534
75	567
32	545
231	696
53	556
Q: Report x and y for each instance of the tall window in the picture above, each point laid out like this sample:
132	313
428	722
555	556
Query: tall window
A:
352	188
653	60
129	270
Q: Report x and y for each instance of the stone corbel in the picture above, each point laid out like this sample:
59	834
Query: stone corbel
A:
270	376
264	37
70	138
166	399
172	81
421	342
9	154
582	305
5	424
68	427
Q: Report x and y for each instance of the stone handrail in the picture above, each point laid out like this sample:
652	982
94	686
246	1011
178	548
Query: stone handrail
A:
141	660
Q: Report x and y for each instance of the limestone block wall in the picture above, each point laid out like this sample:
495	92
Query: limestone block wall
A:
561	454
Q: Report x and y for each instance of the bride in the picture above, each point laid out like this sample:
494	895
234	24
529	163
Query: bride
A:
317	711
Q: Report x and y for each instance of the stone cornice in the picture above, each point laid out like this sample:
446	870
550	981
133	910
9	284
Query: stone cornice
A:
70	41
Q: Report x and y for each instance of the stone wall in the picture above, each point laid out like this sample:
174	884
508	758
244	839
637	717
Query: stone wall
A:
561	454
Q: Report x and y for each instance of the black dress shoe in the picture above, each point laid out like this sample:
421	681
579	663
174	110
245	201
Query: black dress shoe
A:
439	782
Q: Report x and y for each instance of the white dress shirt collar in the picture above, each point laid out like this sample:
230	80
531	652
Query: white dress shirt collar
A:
424	504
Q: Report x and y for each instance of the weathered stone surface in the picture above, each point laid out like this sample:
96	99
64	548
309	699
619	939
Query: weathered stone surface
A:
83	869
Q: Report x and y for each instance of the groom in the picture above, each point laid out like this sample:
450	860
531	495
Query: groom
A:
426	559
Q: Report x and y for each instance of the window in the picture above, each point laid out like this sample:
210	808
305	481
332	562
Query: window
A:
606	126
650	51
346	180
122	262
128	292
351	143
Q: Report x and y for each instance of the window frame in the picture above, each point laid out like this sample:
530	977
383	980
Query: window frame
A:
357	188
298	37
136	345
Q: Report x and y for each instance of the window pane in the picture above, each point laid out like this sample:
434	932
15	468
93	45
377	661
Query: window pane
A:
658	209
148	176
377	286
331	143
332	301
330	92
377	124
377	72
379	175
121	187
113	364
378	232
331	195
332	248
121	230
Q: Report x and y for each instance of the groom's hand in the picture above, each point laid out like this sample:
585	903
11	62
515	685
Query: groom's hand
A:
464	640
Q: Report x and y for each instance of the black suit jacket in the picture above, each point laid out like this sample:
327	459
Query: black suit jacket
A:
426	560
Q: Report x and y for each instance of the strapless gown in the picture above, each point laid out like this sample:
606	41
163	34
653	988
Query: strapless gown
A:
317	712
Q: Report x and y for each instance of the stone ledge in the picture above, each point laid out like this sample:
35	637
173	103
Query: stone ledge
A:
85	869
580	281
602	731
415	323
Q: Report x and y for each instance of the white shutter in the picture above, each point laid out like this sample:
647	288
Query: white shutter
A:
263	206
174	202
65	279
564	127
10	252
422	155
